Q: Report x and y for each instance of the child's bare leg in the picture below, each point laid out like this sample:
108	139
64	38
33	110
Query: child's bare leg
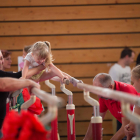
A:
56	78
67	75
46	76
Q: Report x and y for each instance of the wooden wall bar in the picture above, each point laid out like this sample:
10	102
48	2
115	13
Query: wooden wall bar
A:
82	70
82	128
82	137
74	41
86	36
62	2
70	27
81	56
69	12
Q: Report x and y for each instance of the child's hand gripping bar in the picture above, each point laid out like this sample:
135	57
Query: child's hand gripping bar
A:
74	81
66	81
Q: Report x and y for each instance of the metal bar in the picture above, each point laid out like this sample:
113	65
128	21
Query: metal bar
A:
111	94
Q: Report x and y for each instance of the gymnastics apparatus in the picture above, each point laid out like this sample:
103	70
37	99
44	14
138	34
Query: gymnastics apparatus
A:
96	119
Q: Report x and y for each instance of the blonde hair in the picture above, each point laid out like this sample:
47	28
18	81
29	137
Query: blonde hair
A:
136	72
43	50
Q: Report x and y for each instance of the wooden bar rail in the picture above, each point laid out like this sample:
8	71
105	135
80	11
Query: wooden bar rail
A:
62	2
82	70
111	94
81	128
70	12
73	41
70	27
82	55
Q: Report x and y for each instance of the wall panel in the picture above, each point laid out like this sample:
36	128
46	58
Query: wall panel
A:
69	27
81	56
70	12
74	41
62	2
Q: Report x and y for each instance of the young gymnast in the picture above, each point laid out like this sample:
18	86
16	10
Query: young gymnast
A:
40	54
26	50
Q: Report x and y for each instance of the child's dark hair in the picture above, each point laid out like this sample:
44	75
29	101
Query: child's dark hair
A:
126	51
27	48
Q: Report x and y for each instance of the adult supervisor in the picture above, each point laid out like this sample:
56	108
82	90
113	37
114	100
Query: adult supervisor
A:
105	80
6	85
